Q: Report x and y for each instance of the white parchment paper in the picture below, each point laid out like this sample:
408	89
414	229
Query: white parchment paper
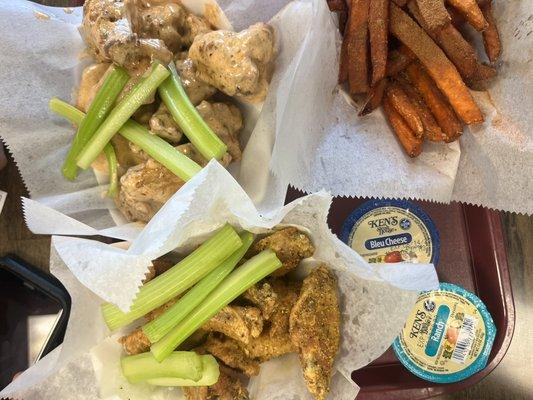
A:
375	299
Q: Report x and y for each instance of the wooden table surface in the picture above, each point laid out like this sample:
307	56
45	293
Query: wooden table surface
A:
512	379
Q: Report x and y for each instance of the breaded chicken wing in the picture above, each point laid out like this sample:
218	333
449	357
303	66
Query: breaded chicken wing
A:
315	329
263	297
287	293
290	245
230	353
228	387
236	322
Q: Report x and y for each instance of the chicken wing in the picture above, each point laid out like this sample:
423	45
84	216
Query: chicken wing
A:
267	346
262	296
315	329
144	189
230	353
228	387
287	293
236	322
236	63
290	245
196	89
135	343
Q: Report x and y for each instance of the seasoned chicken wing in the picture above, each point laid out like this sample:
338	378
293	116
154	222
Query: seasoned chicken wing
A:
315	329
267	346
228	387
287	294
109	36
135	343
262	296
290	245
144	189
238	64
226	121
162	124
230	353
196	89
239	323
91	80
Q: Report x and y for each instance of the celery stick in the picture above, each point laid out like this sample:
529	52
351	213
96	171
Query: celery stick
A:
187	117
210	375
233	286
178	163
112	167
176	280
120	114
97	112
161	151
180	364
163	324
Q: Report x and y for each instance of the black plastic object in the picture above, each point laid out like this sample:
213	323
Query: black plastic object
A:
28	291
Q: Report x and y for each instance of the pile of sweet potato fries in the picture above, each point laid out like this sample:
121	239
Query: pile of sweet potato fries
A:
411	57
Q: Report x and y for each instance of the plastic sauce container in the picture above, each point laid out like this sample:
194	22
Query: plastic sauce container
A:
390	231
448	336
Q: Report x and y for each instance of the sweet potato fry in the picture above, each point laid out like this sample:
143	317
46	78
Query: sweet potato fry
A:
411	144
357	46
491	36
404	106
433	13
343	62
441	110
437	64
459	51
399	60
337	5
378	29
401	3
471	12
432	130
373	98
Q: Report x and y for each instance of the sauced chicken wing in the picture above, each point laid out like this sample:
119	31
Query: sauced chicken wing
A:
110	37
226	121
290	245
228	387
230	353
162	124
144	189
239	323
196	89
238	64
91	80
262	296
315	329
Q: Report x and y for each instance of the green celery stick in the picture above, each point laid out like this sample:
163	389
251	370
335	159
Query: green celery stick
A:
161	325
177	279
233	286
180	364
120	114
189	119
178	163
210	375
96	114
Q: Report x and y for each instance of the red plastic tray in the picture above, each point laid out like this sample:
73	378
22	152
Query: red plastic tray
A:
472	256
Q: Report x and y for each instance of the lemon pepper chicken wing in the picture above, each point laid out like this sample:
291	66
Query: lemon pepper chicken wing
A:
315	329
228	387
290	245
263	296
239	323
287	294
231	353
